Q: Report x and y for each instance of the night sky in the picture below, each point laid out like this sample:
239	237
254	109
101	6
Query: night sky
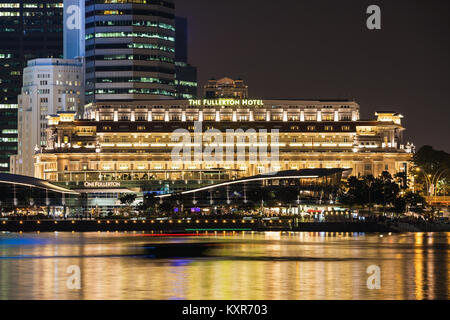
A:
322	49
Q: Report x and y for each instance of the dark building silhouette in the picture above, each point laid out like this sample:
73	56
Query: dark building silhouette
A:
28	30
186	75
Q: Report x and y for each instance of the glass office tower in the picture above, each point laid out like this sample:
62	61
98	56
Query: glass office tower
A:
130	50
186	75
28	30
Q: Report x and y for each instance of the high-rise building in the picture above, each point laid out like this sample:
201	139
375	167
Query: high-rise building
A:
225	88
74	26
185	74
28	30
49	86
130	50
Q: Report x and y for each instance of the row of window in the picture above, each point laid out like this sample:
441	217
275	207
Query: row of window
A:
138	57
134	23
133	45
151	35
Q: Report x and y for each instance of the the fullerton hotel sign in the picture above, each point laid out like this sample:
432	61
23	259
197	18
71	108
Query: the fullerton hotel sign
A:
226	102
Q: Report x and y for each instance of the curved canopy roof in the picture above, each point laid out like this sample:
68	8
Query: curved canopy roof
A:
13	179
290	174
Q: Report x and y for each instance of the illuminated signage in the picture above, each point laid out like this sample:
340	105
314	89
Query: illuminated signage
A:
226	102
101	184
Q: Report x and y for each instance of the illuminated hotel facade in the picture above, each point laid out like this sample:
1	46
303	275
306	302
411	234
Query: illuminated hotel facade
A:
127	147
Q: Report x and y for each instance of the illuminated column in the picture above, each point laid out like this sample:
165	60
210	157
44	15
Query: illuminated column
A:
200	116
166	117
217	116
285	116
234	116
319	116
302	116
116	115
150	117
268	117
183	116
133	116
252	116
336	116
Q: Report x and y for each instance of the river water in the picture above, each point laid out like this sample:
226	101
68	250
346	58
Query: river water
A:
239	266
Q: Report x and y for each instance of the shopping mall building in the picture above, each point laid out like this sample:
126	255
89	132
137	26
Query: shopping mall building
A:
172	146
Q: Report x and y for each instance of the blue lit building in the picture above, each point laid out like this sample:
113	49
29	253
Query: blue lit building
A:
74	27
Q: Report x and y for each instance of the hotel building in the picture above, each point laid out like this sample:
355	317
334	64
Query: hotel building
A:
127	147
49	86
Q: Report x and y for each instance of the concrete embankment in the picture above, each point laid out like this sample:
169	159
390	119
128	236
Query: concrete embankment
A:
183	226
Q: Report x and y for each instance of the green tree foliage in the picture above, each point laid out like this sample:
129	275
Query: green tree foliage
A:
432	164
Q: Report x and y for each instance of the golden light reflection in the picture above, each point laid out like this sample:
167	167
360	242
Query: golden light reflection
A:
249	266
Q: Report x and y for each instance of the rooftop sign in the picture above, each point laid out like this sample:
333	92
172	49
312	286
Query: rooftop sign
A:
226	102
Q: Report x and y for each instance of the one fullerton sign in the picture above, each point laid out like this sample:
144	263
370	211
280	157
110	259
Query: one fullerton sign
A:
226	102
102	184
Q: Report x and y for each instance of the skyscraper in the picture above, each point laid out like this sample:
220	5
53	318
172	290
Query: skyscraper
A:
28	30
130	50
185	74
74	26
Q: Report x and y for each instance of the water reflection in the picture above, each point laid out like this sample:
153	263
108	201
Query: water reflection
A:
253	266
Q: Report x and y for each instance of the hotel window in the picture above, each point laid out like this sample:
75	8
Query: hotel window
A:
175	118
311	128
141	118
209	117
328	128
260	118
106	128
158	118
310	117
295	128
345	128
327	117
346	118
141	128
226	117
368	167
293	118
192	117
277	118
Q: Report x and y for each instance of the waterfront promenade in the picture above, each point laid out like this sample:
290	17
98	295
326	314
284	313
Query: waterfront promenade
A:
216	224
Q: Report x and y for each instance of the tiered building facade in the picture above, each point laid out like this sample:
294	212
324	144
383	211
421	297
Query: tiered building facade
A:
128	147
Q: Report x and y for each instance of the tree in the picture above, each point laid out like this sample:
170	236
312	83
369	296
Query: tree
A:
128	199
431	167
